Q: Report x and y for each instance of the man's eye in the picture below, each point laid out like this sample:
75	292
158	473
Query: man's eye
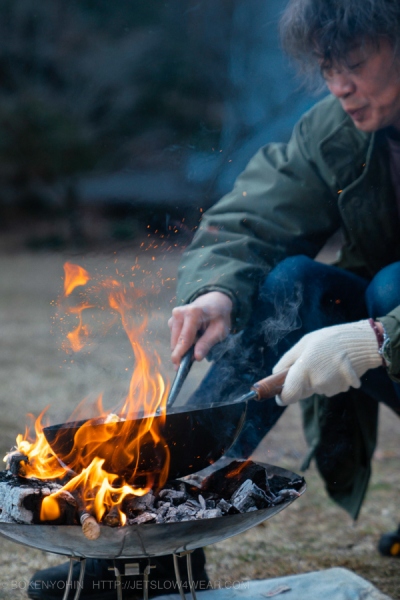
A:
355	66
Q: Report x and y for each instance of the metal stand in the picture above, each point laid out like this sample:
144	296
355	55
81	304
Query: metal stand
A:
190	574
131	569
79	583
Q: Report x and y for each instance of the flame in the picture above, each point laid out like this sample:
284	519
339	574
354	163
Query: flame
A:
236	472
43	463
74	276
108	455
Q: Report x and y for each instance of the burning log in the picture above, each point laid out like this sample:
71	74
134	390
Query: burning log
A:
21	499
15	463
112	518
90	527
66	506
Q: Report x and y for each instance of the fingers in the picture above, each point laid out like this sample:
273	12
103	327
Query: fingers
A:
290	357
215	332
184	325
209	314
295	387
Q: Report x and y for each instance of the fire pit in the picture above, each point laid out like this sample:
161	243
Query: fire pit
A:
151	539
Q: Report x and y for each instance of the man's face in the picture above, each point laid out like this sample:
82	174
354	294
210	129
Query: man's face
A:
368	86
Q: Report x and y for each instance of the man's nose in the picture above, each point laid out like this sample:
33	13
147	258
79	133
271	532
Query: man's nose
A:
341	85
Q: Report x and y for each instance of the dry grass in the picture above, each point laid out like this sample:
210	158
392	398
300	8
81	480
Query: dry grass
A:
311	534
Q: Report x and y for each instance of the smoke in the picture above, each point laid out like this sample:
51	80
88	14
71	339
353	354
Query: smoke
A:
285	320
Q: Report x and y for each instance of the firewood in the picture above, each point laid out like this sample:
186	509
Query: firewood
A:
112	518
90	527
15	463
21	499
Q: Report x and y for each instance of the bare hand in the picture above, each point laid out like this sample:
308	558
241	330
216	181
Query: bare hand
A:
208	316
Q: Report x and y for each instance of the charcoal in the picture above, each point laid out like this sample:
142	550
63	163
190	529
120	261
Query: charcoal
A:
250	496
227	480
173	496
209	514
171	516
243	499
145	517
242	486
185	511
163	509
224	506
138	504
285	494
278	483
192	504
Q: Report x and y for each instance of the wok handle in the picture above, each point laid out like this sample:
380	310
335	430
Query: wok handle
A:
270	386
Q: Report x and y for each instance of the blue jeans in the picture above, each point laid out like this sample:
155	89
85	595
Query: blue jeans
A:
298	296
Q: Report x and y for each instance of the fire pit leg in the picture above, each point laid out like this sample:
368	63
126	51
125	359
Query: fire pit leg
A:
178	576
146	574
119	581
68	583
190	574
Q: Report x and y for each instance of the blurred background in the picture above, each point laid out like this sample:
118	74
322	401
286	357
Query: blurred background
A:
119	115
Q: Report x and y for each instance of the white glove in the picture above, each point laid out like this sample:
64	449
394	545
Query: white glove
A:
328	361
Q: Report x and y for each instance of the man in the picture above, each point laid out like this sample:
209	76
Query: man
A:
250	267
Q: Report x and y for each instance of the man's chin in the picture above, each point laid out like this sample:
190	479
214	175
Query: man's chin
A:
367	126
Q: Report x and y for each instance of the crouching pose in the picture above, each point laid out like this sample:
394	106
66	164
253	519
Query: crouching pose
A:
251	268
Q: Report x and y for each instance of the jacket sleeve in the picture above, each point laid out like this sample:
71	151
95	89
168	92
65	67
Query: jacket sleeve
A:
391	323
280	206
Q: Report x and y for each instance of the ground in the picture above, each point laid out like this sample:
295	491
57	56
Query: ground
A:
35	372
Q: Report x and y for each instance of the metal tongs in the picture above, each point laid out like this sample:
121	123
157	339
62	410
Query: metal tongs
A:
261	390
180	377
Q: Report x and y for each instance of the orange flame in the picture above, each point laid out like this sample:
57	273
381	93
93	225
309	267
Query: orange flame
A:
104	454
74	276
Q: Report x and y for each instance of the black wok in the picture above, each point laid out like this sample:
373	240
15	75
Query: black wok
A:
194	438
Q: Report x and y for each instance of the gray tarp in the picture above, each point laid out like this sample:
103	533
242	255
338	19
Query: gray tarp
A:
331	584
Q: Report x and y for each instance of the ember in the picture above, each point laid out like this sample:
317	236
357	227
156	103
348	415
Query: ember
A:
22	499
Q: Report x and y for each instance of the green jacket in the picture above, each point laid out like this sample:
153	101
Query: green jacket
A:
289	200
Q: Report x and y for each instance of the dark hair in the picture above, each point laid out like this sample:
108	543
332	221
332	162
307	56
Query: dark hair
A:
329	29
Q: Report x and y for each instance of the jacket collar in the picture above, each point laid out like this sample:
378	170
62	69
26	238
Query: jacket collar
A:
346	150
